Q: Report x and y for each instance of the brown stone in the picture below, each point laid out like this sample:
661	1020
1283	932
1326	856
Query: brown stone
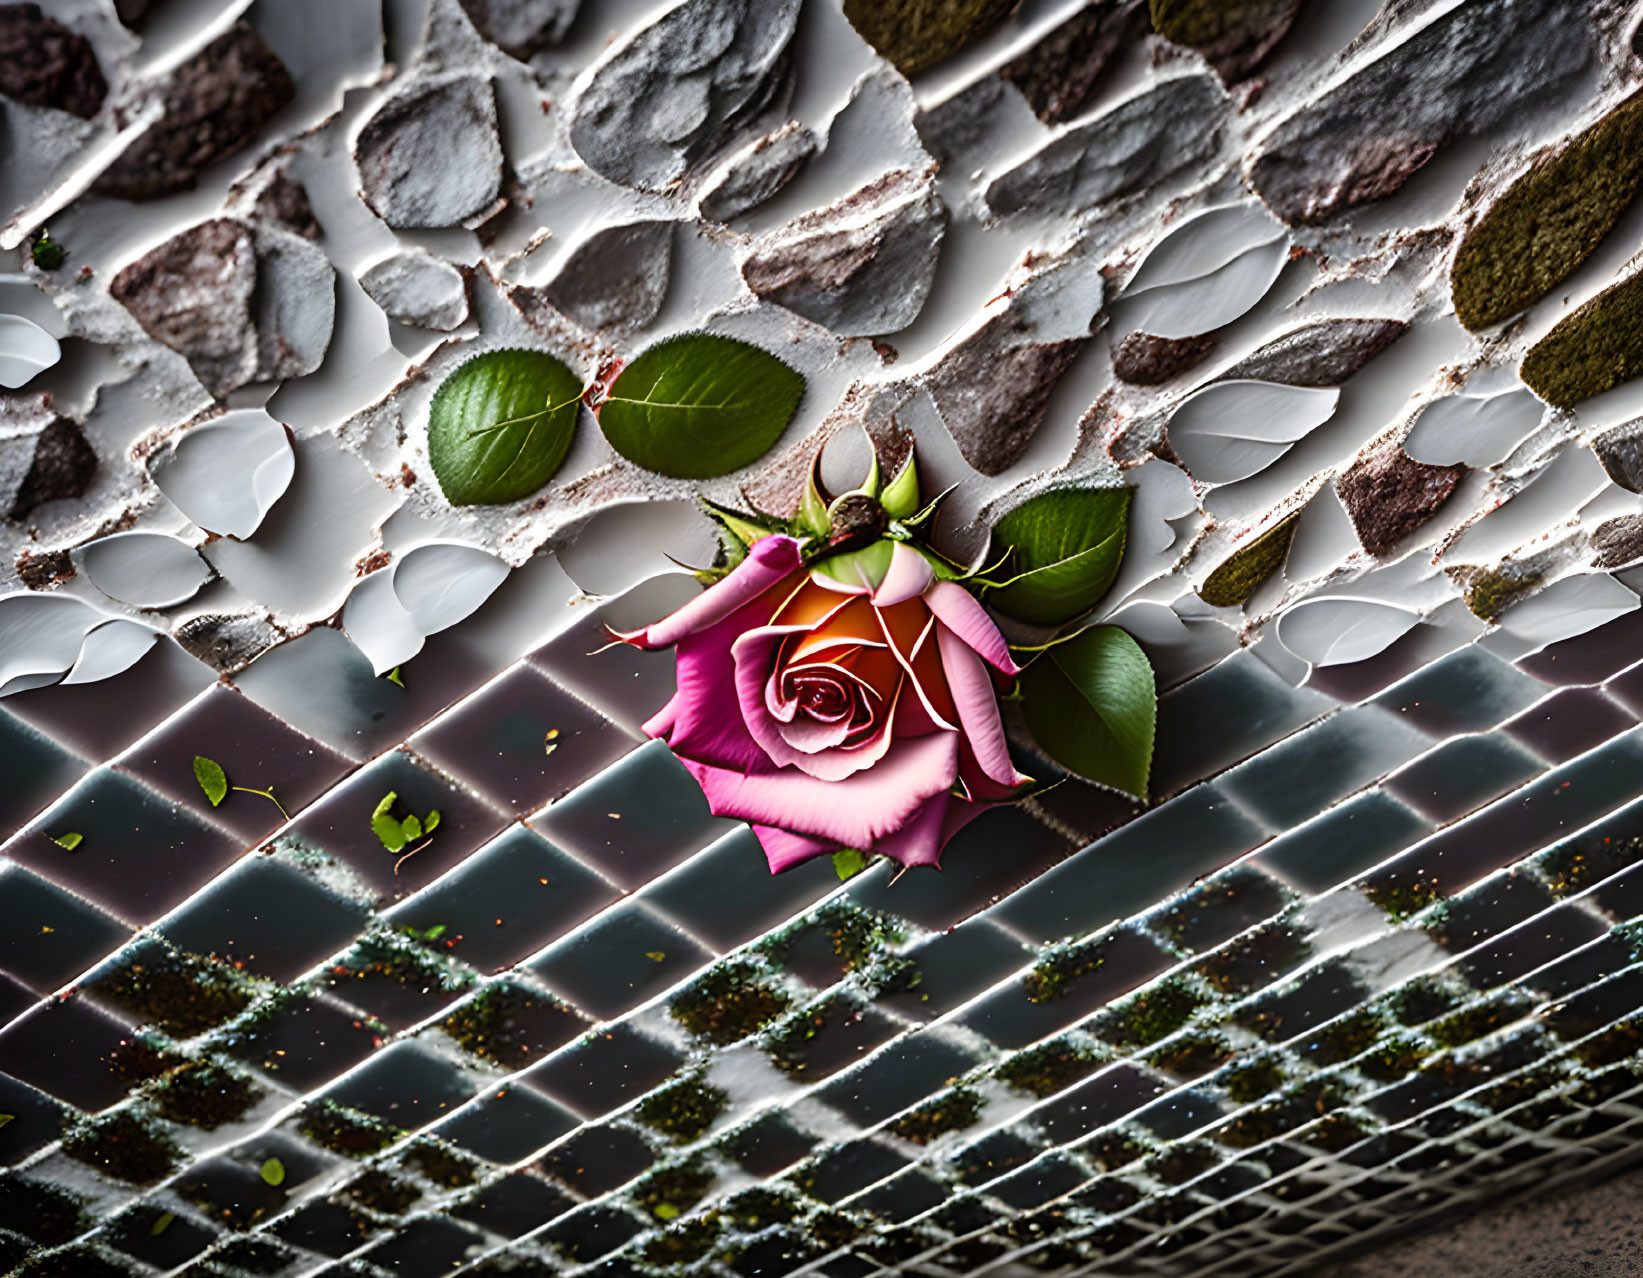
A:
43	63
43	569
1388	495
1324	353
1058	75
285	200
215	104
1618	542
63	465
1144	360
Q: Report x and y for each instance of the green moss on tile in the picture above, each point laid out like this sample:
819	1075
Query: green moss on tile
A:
914	35
121	1146
141	1057
670	1192
952	1112
506	1024
182	994
1062	965
1613	1045
848	938
759	1208
1596	348
1577	864
71	1262
379	1192
205	1095
1491	591
1050	1067
1334	1133
1235	580
1472	1023
788	1045
1194	1055
441	1164
1550	220
1401	894
346	1131
1397	1057
1154	1013
388	956
684	1243
733	1000
1115	1148
1525	1086
254	1256
1300	1106
683	1109
1421	1000
1251	1080
1341	1040
1183	1161
833	1229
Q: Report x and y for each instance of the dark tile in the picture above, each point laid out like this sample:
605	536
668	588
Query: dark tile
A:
1219	908
902	1197
515	1205
767	1145
598	1159
1099	1100
636	820
340	823
625	683
506	901
37	771
1489	909
507	1124
63	1048
916	1066
1344	842
178	1241
499	742
1591	657
398	980
829	1035
1532	945
1569	722
98	720
725	894
426	1248
847	1169
138	855
592	1232
328	1228
1467	691
1318	995
235	1196
307	1042
1463	774
49	936
36	1120
1038	1183
267	916
622	959
953	967
510	1025
604	1071
255	750
406	1085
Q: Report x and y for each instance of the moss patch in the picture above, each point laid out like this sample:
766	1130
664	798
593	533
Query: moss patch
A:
1593	350
1401	894
917	34
182	994
380	1192
1244	569
1049	1068
42	1212
346	1131
1193	1056
1576	865
1550	220
140	1058
511	1026
398	961
1301	1106
1153	1014
683	1244
843	938
121	1147
441	1164
672	1191
1061	965
729	1003
1472	1023
756	1209
1491	591
76	1262
254	1255
1249	1082
1111	1150
683	1109
205	1095
1397	1057
958	1109
1613	1045
1421	1000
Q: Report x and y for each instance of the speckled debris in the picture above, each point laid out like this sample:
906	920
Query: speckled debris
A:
1463	71
44	63
430	155
522	27
417	288
214	105
752	175
860	268
1152	134
1388	496
661	103
1323	353
617	277
44	456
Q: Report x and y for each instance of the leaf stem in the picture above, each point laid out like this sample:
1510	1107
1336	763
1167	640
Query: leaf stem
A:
267	794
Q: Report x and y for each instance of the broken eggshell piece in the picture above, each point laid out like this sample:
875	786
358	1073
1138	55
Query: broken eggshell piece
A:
1232	430
1569	607
1334	630
145	569
44	638
428	589
25	349
226	474
1477	430
1206	273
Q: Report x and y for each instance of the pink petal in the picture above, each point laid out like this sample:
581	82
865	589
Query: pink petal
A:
977	703
855	813
811	736
768	561
909	577
926	718
959	612
783	850
919	841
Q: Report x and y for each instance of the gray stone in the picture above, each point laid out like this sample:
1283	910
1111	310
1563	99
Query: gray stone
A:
43	455
521	27
1058	75
1617	543
861	267
228	642
958	124
757	173
1139	141
44	63
615	277
658	105
193	294
992	389
294	306
1323	353
1469	70
415	287
430	156
1621	452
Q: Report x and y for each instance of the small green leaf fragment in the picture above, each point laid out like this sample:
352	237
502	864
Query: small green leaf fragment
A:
665	1211
411	828
273	1171
393	676
162	1224
656	956
47	253
430	823
384	826
213	780
6	1118
68	842
847	863
435	932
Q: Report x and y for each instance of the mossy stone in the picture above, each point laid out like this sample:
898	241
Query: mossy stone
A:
1154	1013
1060	966
205	1095
1049	1068
346	1131
917	34
1593	350
672	1191
1550	220
684	1243
1257	1078
1491	591
729	1003
1247	567
182	994
683	1109
122	1147
958	1109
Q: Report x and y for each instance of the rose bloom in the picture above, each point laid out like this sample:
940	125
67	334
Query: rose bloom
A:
831	715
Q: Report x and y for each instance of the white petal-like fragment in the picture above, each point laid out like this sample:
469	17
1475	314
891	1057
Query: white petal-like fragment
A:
440	583
1205	304
1478	430
618	546
1332	630
40	637
25	349
1568	608
1205	243
111	648
1176	647
1231	430
378	625
226	474
150	570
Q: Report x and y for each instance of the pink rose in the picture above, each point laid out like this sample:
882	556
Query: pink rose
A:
837	716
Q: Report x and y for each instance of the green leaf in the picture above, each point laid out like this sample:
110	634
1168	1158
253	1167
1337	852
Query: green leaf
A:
213	780
393	676
847	863
500	426
162	1224
864	567
1068	544
900	496
1092	705
697	406
430	823
435	932
411	828
812	516
273	1171
68	842
385	827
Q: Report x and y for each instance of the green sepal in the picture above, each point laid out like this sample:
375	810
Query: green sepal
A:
900	496
812	516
